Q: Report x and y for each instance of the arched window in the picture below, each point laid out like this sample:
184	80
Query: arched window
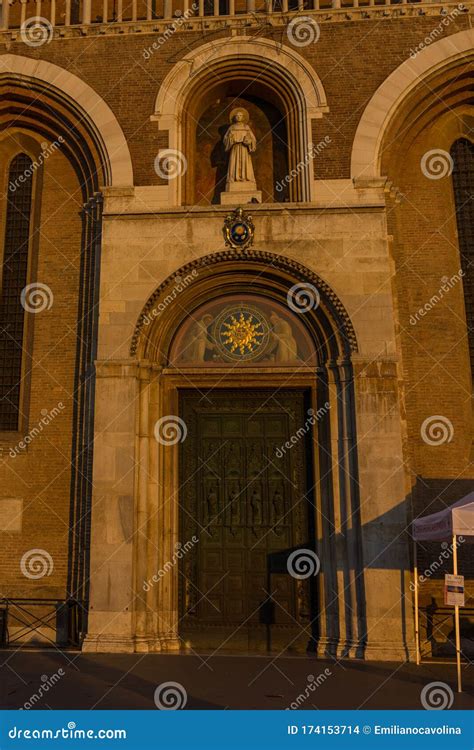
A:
13	280
462	153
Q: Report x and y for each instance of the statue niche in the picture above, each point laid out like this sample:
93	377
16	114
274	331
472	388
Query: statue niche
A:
240	143
238	150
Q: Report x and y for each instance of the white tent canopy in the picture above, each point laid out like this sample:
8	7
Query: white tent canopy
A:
457	520
450	523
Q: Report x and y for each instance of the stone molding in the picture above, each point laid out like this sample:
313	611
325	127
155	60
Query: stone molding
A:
90	106
391	94
281	64
245	22
280	262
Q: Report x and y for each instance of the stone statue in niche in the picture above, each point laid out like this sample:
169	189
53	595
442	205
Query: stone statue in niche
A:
240	143
285	348
234	502
277	512
199	341
212	502
256	507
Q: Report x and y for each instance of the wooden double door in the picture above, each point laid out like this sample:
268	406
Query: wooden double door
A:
245	479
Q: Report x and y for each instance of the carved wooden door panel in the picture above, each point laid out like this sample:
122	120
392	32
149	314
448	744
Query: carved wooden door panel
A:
243	495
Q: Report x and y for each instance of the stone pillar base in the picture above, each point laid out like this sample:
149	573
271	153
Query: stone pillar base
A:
383	651
108	644
234	197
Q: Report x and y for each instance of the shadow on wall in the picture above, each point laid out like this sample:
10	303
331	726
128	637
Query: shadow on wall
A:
387	545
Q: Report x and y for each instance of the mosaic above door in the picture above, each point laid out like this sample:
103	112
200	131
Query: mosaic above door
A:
242	330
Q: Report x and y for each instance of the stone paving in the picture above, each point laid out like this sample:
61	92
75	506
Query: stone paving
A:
129	681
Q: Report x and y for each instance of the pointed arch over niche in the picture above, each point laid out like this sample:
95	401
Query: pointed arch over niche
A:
404	94
288	88
273	277
83	105
462	154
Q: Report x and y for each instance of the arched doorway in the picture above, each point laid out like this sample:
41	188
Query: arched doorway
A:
246	433
246	471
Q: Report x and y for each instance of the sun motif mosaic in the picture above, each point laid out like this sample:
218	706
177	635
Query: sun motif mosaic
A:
241	333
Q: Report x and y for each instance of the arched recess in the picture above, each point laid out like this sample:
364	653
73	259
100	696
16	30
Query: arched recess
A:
413	80
295	87
341	624
66	119
73	96
336	336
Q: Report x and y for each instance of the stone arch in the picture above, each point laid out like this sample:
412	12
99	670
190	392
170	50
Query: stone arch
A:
153	386
366	160
332	324
91	108
283	69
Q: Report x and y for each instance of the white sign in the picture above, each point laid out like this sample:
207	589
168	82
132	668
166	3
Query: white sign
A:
454	590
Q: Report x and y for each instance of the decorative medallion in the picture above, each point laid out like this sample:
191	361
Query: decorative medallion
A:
238	229
241	333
